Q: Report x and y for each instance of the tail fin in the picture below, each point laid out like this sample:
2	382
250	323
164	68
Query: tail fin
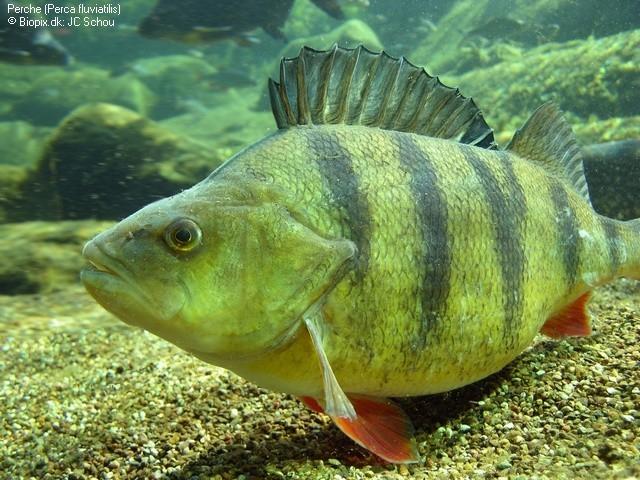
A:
631	238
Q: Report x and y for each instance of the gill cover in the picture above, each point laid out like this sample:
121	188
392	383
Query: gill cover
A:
267	269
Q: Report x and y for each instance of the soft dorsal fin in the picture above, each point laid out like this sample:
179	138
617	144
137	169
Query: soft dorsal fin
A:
360	87
547	139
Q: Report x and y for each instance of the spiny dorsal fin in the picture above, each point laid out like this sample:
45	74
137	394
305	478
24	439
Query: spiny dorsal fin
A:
360	87
547	139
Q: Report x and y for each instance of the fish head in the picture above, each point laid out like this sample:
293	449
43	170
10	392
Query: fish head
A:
223	281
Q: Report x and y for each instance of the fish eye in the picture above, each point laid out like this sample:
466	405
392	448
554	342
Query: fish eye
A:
183	235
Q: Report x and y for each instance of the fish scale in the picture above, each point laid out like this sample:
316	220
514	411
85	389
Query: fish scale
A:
346	263
345	194
432	288
501	190
566	231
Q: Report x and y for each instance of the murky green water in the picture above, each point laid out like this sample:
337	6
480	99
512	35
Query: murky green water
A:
115	105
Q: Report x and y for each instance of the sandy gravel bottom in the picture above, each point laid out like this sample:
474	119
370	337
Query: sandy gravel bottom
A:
84	396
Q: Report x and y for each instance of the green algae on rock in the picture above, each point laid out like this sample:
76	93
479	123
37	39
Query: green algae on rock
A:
227	124
351	33
21	143
52	94
591	79
102	149
460	43
182	83
11	177
594	130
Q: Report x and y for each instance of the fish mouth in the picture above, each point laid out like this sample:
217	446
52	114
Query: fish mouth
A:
108	281
94	266
99	262
105	272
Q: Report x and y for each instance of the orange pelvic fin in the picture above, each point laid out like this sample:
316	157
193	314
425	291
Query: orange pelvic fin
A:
571	321
312	404
380	426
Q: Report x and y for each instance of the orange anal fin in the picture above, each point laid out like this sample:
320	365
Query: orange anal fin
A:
312	404
571	321
381	427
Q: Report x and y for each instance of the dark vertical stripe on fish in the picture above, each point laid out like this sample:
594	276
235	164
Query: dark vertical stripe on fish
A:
508	210
431	208
567	230
612	235
340	179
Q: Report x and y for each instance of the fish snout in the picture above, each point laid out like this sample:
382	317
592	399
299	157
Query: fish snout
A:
96	257
104	250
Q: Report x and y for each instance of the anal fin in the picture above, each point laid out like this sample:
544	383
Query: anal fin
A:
380	426
571	321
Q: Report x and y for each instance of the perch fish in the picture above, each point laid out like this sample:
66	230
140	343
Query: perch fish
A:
378	245
28	45
197	21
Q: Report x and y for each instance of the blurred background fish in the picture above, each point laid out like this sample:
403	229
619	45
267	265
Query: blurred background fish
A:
27	45
194	21
518	30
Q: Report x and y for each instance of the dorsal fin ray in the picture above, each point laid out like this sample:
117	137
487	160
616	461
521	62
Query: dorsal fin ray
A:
360	87
547	140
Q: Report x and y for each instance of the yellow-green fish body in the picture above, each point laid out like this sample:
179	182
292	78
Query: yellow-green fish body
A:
463	254
379	244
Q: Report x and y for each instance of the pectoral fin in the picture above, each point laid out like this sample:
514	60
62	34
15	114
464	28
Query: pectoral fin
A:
376	424
380	426
336	403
